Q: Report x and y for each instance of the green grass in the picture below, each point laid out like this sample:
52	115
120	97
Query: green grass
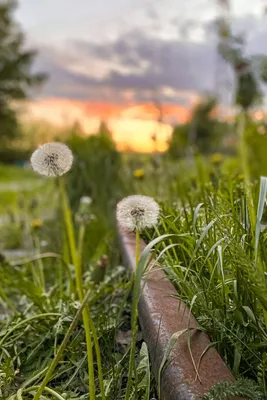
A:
14	173
216	258
22	194
213	264
19	186
31	342
39	302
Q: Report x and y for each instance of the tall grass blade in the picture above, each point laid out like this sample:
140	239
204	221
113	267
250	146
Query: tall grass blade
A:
261	203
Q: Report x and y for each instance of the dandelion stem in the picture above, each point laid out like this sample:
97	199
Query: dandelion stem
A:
41	277
79	286
66	260
81	242
91	322
35	277
98	358
137	250
134	323
62	348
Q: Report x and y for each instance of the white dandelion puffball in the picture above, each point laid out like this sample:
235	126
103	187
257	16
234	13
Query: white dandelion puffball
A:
52	159
86	200
137	212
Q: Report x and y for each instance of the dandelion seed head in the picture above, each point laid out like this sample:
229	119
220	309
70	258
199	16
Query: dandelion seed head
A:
86	200
52	159
137	212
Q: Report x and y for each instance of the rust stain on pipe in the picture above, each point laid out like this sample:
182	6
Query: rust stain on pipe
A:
161	314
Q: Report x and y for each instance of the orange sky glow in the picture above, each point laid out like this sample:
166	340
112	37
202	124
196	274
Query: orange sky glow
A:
133	126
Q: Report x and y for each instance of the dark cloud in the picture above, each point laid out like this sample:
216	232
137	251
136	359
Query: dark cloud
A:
143	63
122	51
149	63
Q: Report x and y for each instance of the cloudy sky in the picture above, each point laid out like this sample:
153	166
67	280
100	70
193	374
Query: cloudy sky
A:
124	50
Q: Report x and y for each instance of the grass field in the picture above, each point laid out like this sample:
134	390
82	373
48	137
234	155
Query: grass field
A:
16	184
45	287
24	196
216	259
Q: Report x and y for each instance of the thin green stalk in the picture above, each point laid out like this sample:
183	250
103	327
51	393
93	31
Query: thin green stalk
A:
134	324
35	276
37	246
62	347
33	378
245	167
98	357
60	279
47	389
66	258
68	223
79	288
81	242
91	322
137	250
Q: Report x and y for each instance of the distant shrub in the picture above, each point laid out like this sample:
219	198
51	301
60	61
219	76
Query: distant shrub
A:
256	140
205	133
11	155
95	171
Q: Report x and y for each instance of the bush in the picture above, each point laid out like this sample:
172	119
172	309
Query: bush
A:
205	133
17	156
95	172
256	140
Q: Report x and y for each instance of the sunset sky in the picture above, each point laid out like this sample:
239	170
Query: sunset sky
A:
134	50
110	59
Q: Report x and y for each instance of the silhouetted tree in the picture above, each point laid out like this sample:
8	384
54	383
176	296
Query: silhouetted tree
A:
204	132
16	76
104	129
248	71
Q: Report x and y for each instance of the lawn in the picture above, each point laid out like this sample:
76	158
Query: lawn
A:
217	261
40	299
68	325
18	184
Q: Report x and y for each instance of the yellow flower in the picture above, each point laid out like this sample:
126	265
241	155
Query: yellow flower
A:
240	177
216	158
37	223
139	173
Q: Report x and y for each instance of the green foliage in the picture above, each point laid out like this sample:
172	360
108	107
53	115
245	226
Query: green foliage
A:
16	76
248	92
247	75
208	252
10	173
256	141
32	339
211	261
38	317
9	124
242	387
11	154
205	132
263	70
180	141
95	172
